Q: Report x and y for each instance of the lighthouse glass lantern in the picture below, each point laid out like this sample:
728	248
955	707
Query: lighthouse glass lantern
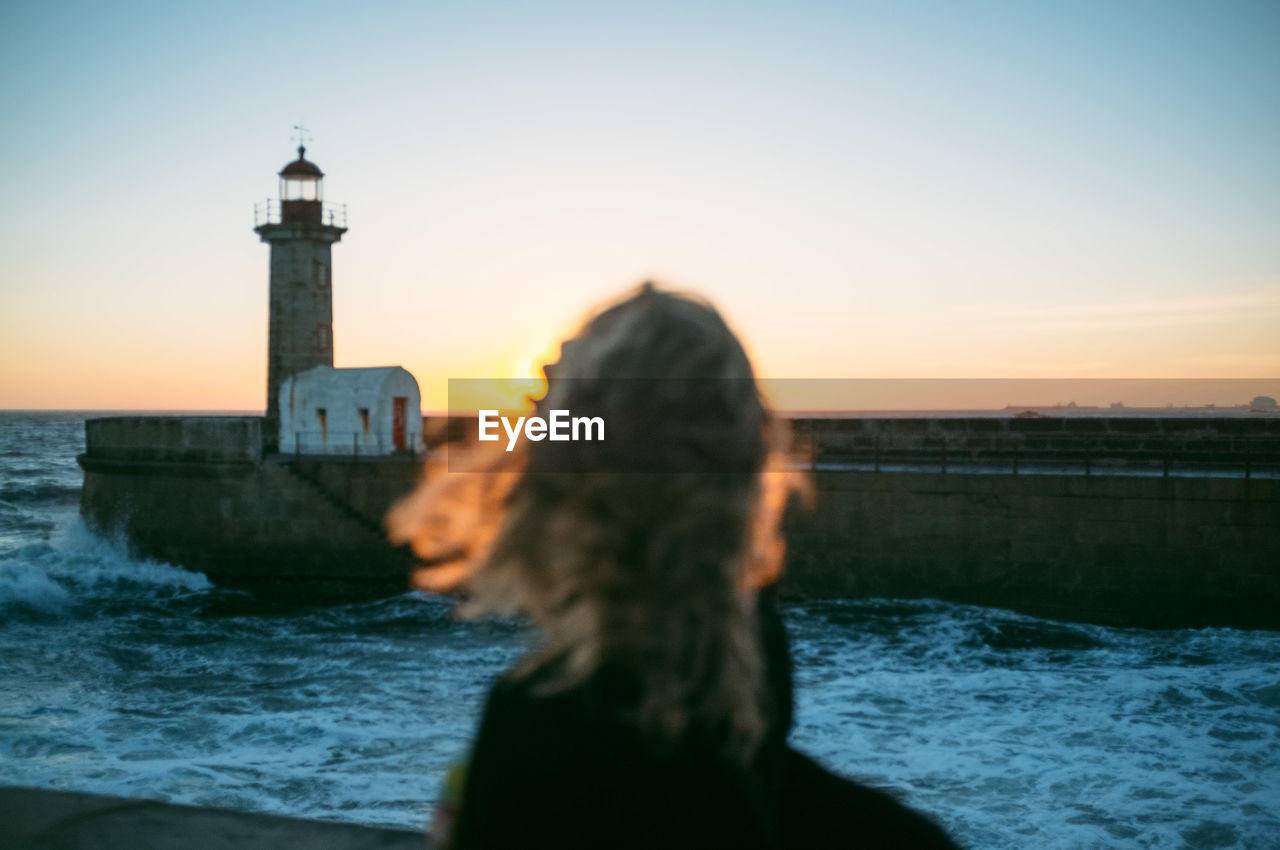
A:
301	190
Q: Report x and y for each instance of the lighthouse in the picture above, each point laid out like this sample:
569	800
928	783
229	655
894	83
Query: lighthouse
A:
301	232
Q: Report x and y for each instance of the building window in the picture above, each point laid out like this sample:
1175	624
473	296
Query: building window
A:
322	339
364	419
323	416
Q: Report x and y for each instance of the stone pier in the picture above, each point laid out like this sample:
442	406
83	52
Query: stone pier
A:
1158	522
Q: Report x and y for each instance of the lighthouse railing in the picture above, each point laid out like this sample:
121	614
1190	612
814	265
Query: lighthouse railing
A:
268	211
335	215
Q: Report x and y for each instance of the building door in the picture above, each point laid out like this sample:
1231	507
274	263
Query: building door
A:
399	411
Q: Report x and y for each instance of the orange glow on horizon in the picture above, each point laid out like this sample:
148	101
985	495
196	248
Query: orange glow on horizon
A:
180	367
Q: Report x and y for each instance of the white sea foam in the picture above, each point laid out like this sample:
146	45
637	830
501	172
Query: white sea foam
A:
76	565
26	585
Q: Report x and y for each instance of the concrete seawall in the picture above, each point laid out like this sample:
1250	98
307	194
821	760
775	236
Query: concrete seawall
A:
1162	522
36	819
193	439
1126	550
199	496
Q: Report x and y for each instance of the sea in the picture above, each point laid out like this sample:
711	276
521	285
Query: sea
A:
124	676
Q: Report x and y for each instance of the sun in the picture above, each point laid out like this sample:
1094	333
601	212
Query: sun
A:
529	382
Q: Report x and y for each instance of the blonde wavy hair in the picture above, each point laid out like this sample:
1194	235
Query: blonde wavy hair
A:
643	552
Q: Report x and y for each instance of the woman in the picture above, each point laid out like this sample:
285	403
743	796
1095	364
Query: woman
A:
655	712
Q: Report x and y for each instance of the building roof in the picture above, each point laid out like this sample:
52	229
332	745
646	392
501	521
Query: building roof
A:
360	382
301	167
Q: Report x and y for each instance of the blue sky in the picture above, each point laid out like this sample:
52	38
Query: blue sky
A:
867	190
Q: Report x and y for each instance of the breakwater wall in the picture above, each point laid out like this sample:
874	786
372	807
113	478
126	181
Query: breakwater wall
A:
1118	549
1144	521
1134	521
198	491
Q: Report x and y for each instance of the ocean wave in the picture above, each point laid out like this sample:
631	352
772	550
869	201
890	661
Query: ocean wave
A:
24	585
77	565
39	492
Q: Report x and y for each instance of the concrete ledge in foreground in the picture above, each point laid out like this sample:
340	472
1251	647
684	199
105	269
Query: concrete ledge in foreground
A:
32	818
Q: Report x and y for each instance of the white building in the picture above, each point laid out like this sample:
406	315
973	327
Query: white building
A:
352	412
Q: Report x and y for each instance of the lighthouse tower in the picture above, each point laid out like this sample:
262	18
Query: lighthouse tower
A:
300	231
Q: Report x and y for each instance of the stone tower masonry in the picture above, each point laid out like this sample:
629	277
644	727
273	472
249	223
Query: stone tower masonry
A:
300	232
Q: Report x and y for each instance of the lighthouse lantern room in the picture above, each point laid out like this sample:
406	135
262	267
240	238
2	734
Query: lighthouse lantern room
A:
301	190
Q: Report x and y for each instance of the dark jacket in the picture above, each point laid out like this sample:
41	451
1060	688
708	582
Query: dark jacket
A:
568	771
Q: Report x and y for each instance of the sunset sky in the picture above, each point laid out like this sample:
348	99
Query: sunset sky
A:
925	190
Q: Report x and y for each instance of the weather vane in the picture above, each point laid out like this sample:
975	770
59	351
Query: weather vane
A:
302	135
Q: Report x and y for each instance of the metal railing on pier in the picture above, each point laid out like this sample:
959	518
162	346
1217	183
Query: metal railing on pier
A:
357	445
1239	457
